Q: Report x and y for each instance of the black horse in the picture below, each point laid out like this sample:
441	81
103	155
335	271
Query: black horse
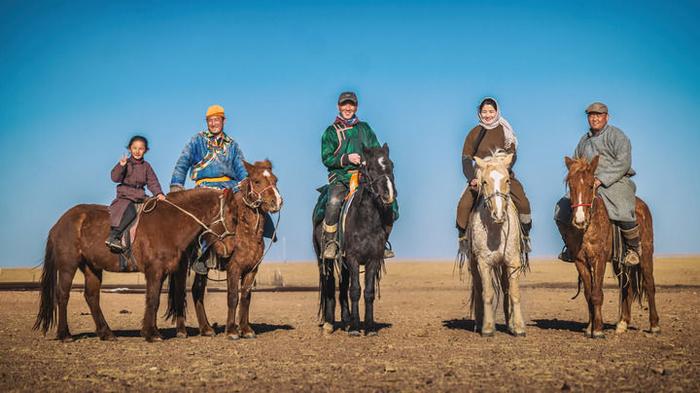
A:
362	238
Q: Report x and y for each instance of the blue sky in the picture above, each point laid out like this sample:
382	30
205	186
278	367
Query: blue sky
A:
79	79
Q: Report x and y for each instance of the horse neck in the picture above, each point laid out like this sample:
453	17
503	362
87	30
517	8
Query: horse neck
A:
248	219
202	205
599	225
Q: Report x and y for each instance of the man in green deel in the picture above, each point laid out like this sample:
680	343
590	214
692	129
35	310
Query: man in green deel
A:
342	146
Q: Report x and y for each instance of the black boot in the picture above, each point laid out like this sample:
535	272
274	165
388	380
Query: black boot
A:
388	252
634	249
113	241
330	245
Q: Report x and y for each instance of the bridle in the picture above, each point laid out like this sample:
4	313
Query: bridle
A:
588	205
369	184
488	199
257	195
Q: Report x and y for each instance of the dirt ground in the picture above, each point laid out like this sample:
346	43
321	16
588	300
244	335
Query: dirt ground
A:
426	341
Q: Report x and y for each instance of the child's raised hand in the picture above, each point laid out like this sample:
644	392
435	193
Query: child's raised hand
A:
122	161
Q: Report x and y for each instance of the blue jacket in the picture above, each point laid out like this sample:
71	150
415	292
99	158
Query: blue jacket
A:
208	158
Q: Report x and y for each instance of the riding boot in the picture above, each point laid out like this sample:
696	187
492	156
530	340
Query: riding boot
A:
388	252
525	226
634	249
330	244
113	241
565	254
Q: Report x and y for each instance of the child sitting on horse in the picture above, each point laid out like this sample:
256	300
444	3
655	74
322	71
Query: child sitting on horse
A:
132	173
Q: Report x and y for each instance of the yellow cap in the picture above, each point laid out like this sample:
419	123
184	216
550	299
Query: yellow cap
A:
215	110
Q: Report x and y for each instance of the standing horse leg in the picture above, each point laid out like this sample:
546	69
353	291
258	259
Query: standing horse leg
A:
233	278
177	294
199	287
626	295
517	324
505	289
328	295
488	325
585	276
93	282
154	284
248	279
476	301
343	295
371	270
354	271
65	281
597	297
647	266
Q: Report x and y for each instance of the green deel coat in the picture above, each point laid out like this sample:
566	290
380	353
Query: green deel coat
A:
337	145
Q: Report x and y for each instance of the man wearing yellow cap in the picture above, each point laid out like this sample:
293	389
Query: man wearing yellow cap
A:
213	158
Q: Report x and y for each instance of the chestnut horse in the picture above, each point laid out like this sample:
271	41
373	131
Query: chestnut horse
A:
590	241
165	231
258	195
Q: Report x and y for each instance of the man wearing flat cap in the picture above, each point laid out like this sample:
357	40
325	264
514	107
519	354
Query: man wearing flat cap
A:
612	179
342	146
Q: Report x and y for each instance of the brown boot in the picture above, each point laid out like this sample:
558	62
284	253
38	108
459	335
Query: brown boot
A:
634	249
330	250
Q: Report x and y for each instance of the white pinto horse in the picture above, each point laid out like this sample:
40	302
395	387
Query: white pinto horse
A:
494	247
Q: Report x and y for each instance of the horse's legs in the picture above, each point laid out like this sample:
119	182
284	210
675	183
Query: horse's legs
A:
328	294
343	295
93	282
154	284
354	271
505	289
65	280
178	295
199	286
248	279
477	301
625	302
647	266
233	278
597	297
585	277
488	325
516	324
371	270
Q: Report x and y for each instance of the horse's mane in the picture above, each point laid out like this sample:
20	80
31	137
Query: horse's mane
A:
578	165
264	164
496	156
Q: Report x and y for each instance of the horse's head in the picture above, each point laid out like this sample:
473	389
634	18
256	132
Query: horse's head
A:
493	178
260	189
379	173
581	183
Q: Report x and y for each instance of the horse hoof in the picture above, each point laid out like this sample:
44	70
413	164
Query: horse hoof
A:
207	333
621	327
108	337
249	335
518	333
327	328
655	330
154	339
598	335
181	335
354	333
371	333
233	336
67	339
487	333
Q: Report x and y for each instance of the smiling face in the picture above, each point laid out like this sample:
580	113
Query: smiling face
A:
597	120
137	149
215	124
347	110
488	113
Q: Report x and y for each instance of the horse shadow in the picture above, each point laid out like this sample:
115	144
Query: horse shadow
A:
572	326
470	325
171	333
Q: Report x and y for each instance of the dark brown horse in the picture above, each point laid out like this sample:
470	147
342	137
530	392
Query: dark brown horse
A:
258	196
590	241
164	233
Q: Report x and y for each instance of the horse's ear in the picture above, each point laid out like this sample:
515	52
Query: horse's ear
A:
386	148
568	161
479	162
594	163
248	166
508	159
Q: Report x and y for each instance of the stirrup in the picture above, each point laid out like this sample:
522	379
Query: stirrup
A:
114	246
331	250
631	258
200	267
388	253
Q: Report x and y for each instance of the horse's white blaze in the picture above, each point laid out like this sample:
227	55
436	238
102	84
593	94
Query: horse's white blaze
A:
266	173
381	163
278	197
497	176
579	214
390	186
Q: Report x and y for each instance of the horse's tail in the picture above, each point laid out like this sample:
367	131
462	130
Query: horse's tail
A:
46	316
636	280
578	289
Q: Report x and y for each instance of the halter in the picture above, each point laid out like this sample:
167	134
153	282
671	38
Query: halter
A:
369	183
254	204
588	205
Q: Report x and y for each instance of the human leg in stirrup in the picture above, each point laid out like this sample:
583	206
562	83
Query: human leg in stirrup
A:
330	221
517	193
630	232
114	241
562	217
388	252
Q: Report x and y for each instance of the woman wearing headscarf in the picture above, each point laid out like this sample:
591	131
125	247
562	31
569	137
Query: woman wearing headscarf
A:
492	133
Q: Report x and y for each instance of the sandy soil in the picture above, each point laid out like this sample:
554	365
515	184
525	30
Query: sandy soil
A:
426	341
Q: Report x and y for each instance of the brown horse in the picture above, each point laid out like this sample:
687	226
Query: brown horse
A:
164	233
590	241
259	195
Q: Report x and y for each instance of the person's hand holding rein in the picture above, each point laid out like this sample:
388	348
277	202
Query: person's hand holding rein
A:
354	158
